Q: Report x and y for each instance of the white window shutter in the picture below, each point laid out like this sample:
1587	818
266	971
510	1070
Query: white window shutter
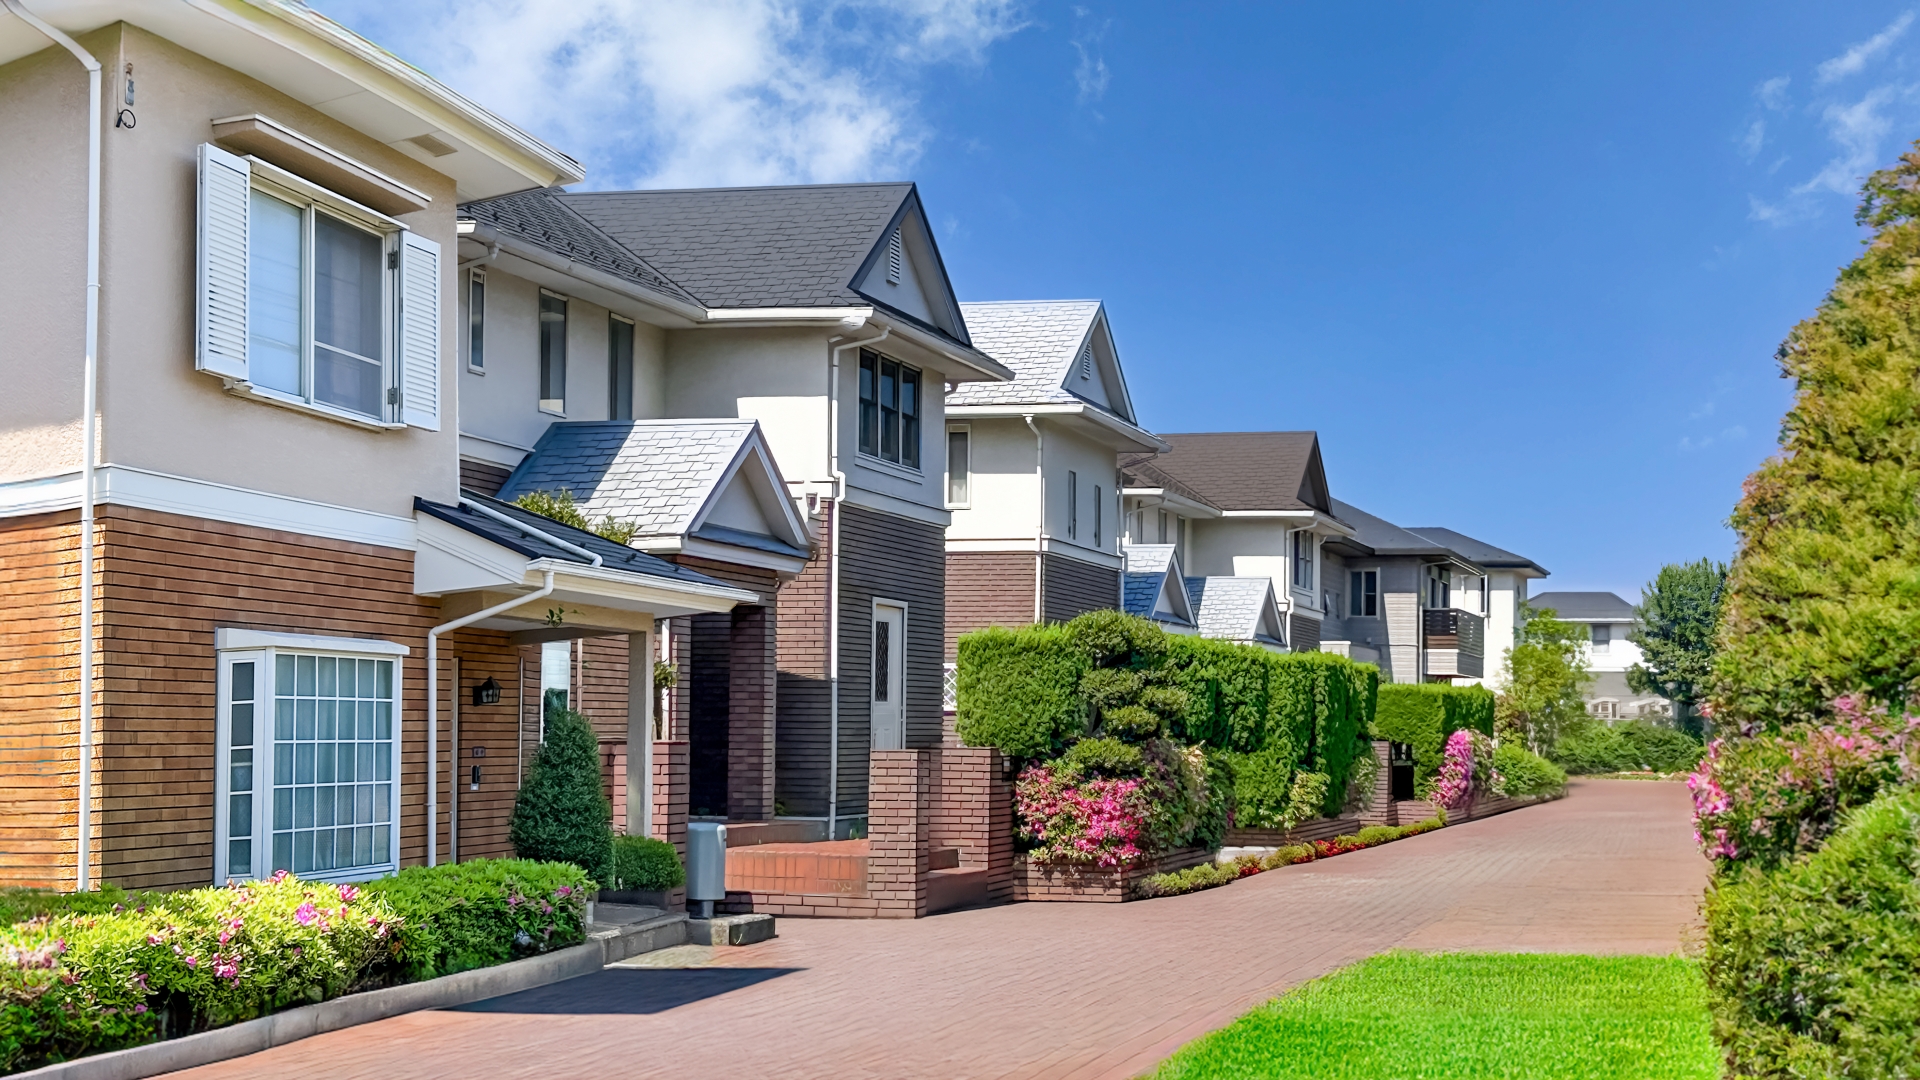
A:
419	353
220	326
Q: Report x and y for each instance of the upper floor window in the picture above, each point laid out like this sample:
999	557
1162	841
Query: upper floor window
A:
959	466
1163	527
1363	594
477	320
553	352
311	300
1303	554
1097	500
1073	505
1602	636
890	410
619	368
1439	587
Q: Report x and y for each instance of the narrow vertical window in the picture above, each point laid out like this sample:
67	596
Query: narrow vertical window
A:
1073	505
619	368
1163	527
556	679
958	466
477	320
909	417
1098	510
869	404
889	410
240	719
882	658
553	352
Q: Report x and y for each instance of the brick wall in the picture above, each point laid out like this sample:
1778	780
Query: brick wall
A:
1084	884
801	721
987	588
970	808
897	832
670	794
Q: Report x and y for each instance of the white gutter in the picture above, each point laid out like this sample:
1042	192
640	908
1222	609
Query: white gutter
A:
1143	440
89	383
540	534
433	706
850	323
1040	537
497	242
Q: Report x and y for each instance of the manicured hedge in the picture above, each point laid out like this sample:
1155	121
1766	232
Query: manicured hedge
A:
644	864
461	916
1018	690
1424	714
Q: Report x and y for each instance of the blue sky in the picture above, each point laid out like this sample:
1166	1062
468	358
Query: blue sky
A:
1524	267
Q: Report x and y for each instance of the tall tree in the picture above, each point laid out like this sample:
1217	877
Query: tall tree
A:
1676	623
1546	679
1824	594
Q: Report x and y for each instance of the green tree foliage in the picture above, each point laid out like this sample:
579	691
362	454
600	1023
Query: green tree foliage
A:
562	813
1422	715
1824	594
559	506
1545	678
1677	621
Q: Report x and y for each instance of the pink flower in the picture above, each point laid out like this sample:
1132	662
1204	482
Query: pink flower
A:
304	914
348	893
193	962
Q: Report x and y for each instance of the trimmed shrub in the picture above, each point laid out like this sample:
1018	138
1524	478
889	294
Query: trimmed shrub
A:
1424	714
1263	787
1811	968
1661	748
1523	772
562	813
1107	757
461	916
644	864
1019	691
1209	875
17	905
1593	747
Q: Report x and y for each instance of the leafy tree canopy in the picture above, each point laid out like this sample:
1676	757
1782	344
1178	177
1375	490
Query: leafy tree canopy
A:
561	507
1678	619
1824	593
1546	676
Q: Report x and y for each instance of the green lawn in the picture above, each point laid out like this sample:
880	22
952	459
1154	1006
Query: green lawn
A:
1437	1016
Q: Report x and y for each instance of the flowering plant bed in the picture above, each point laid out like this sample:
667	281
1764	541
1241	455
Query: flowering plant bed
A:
1210	874
1038	881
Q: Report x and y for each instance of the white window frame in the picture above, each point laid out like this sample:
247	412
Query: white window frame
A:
476	276
1359	595
232	646
1311	563
876	458
566	351
947	479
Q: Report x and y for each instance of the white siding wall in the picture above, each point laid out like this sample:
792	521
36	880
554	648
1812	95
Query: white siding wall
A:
1005	493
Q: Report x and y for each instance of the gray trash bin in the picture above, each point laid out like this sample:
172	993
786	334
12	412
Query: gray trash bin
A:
706	866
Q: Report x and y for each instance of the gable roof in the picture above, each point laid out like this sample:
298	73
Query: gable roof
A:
1584	606
1236	608
612	556
544	219
1246	470
666	476
1041	340
1386	538
1479	551
1153	574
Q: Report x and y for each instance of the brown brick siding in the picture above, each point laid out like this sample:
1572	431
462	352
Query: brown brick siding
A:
482	477
897	832
800	726
1033	881
1074	588
987	588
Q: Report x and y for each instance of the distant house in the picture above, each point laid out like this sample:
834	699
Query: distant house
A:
1504	590
1608	619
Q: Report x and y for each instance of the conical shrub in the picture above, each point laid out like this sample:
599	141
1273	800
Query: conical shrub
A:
561	813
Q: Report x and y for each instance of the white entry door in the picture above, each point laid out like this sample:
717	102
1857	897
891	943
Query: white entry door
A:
889	676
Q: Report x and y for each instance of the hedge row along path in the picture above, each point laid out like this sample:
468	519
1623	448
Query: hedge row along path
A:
1066	990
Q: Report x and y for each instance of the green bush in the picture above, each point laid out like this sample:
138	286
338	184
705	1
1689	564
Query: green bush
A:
1221	804
562	813
1019	691
1107	757
1263	787
460	916
1812	968
1424	714
1523	772
17	905
1661	748
1595	746
647	865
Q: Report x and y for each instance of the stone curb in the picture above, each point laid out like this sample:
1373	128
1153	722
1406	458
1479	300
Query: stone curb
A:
253	1036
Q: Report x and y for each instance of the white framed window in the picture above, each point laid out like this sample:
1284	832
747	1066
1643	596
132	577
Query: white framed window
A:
477	321
890	410
1303	558
1099	501
1602	636
553	353
307	299
308	756
959	466
619	367
556	679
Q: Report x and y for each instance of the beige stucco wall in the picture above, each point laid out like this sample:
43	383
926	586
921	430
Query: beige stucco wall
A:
159	413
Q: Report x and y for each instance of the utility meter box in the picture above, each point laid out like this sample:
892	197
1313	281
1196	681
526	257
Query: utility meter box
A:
706	865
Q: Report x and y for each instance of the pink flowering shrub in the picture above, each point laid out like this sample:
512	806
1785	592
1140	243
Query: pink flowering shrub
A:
1764	798
1070	817
1466	770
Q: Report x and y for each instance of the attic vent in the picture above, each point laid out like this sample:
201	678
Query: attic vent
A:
431	145
1086	360
894	258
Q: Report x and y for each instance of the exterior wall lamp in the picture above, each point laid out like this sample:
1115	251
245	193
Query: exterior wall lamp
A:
487	693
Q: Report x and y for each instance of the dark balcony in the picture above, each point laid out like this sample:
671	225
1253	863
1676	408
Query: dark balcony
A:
1456	643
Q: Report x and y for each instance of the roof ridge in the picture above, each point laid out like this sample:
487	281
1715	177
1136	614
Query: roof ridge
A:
744	187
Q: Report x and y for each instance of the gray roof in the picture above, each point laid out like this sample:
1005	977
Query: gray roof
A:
1230	607
1147	566
1480	551
658	474
1386	538
541	218
612	556
1584	606
1039	340
754	247
1246	470
1142	473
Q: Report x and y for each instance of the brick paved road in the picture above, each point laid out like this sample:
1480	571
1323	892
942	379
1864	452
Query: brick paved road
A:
1064	990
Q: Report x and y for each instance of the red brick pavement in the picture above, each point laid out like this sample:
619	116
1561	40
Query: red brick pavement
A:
1066	990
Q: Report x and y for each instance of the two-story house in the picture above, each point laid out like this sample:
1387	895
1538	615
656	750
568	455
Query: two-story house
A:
251	613
1609	652
1030	473
1503	592
742	347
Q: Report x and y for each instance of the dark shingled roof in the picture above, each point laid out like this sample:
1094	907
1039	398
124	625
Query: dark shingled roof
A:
612	556
1386	538
540	217
1245	470
753	247
1591	606
1479	551
1139	471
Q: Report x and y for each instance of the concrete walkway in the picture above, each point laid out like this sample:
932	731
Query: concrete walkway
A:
1064	990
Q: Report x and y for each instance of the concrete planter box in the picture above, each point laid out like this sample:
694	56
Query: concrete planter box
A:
1092	884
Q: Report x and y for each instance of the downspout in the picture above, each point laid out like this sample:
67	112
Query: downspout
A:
1040	537
433	705
833	563
89	380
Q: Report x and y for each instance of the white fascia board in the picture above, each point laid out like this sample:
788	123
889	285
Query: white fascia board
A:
1068	549
121	485
740	556
1110	430
645	589
975	545
1184	506
538	265
888	504
788	316
507	455
232	637
976	368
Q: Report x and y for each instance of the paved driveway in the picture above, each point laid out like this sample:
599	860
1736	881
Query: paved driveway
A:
1064	990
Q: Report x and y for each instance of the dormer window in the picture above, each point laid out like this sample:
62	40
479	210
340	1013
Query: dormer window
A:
896	257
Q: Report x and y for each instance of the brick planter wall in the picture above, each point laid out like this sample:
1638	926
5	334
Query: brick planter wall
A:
1085	884
1412	810
1316	829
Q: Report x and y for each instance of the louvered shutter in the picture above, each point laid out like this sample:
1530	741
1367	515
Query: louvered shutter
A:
419	322
220	327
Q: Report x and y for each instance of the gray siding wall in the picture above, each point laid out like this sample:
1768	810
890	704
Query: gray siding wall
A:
1074	588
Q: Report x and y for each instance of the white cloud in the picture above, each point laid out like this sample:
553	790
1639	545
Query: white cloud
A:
668	93
1858	129
1855	59
1753	140
1090	75
1689	443
1773	92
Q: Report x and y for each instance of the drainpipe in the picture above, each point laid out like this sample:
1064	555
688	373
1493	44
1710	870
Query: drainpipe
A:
433	704
1040	541
89	381
833	561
